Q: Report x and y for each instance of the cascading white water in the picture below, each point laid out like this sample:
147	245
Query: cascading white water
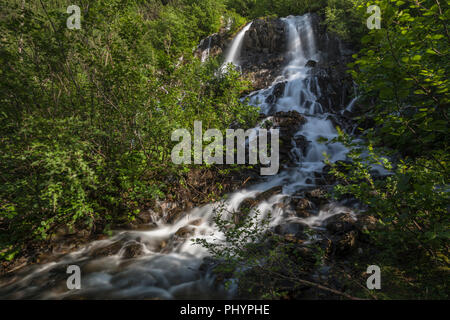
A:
232	55
205	53
170	265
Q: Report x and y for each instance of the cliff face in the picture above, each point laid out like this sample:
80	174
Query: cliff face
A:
263	51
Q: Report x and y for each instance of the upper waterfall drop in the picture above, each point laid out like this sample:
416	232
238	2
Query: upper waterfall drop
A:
302	44
233	53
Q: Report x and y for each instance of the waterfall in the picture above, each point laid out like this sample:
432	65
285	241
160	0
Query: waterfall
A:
233	53
350	106
205	53
169	267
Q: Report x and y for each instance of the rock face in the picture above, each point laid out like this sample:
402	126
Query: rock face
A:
213	45
336	85
263	51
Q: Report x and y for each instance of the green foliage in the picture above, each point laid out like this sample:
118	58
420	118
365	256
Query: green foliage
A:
402	72
281	8
403	68
87	115
343	18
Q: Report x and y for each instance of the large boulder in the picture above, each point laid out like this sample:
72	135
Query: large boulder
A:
108	250
132	250
277	92
340	223
288	123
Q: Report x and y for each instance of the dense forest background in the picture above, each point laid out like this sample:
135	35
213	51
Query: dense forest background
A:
86	115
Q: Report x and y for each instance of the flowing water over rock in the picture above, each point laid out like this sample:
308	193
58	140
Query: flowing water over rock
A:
163	262
232	54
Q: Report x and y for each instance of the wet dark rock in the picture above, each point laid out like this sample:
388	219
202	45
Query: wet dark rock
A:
340	223
196	222
311	64
265	36
302	143
318	196
303	204
290	119
145	217
290	238
266	195
185	232
296	229
248	204
346	243
304	208
217	44
288	123
278	91
306	253
132	250
174	215
304	213
108	250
